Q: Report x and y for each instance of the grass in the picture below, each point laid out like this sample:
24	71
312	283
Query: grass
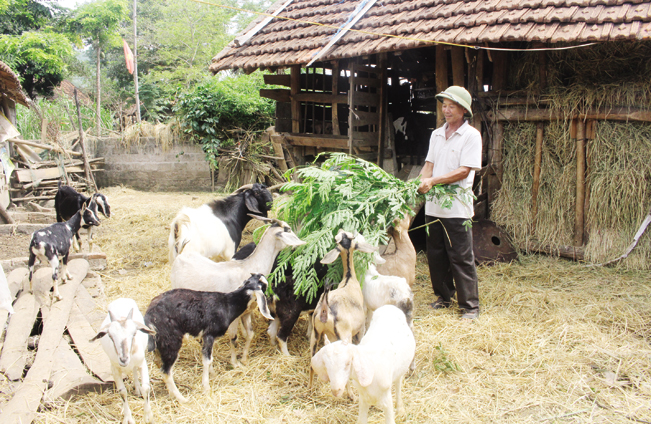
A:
555	342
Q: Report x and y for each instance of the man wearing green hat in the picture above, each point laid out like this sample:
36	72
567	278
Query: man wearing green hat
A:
453	157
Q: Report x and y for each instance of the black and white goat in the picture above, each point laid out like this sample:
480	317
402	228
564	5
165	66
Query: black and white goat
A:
125	346
214	230
52	244
68	201
181	311
195	272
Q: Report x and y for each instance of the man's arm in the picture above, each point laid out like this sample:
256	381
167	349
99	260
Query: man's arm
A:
427	181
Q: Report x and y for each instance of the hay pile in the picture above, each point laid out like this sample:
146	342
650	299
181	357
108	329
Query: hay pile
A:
164	134
618	181
556	342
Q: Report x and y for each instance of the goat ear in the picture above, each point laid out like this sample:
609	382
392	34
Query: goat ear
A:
111	316
326	340
261	299
319	366
251	202
102	333
142	327
130	316
331	256
363	369
291	239
378	259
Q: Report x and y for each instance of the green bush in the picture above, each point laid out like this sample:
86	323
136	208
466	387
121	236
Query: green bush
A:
211	109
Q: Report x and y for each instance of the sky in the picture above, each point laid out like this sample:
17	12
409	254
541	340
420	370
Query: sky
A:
70	4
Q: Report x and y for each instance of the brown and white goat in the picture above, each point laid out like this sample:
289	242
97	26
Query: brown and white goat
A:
340	312
402	261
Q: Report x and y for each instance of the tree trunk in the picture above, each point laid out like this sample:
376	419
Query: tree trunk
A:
97	111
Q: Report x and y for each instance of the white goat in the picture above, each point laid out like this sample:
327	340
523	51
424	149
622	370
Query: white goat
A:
195	272
125	346
6	299
378	362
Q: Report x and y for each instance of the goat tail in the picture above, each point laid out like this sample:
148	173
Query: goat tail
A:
177	241
151	338
406	306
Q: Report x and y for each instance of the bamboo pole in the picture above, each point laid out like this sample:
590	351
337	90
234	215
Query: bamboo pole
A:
441	70
536	175
87	172
135	60
382	109
4	215
589	135
98	120
580	184
43	146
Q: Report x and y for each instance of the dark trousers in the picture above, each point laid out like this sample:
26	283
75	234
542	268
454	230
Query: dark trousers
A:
452	262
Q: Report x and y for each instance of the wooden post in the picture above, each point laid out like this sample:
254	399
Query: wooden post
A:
351	105
382	112
589	136
441	80
495	162
499	70
296	104
536	176
4	215
471	57
89	175
580	183
458	77
335	91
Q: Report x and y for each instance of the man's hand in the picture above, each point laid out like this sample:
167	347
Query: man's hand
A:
426	185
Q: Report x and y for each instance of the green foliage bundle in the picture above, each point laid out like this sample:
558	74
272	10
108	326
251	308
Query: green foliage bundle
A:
343	192
213	108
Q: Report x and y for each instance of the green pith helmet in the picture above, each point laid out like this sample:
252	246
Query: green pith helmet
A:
457	94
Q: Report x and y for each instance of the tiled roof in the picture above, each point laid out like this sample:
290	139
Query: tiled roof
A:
10	85
288	42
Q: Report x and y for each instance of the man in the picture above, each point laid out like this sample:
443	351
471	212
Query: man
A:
453	157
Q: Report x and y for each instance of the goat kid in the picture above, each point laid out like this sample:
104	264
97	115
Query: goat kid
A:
195	272
402	261
68	201
378	362
214	230
181	311
125	346
339	313
53	243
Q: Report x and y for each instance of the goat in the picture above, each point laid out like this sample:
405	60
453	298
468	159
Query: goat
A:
125	346
214	230
68	201
340	313
401	262
378	362
286	306
6	299
193	271
181	311
53	243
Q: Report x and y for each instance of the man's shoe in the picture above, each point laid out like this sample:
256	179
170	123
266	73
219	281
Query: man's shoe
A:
439	304
470	315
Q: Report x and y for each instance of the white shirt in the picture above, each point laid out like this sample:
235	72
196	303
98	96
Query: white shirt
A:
463	148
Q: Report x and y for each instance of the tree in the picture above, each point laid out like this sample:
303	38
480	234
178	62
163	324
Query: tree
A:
30	45
99	23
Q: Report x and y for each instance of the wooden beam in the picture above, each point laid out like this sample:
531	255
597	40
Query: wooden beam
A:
335	142
278	94
335	92
458	77
361	118
320	97
580	184
441	66
276	79
278	150
23	405
569	252
536	175
43	146
365	139
14	351
603	114
81	331
296	104
351	106
382	109
365	99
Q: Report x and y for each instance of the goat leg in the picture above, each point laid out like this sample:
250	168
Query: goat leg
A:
248	333
207	362
232	336
119	384
145	389
362	418
172	389
400	407
386	404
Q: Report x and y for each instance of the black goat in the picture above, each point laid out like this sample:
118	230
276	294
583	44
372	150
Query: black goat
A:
285	305
52	244
68	201
181	311
214	230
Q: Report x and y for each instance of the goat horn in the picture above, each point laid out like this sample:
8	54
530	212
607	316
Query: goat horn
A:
244	187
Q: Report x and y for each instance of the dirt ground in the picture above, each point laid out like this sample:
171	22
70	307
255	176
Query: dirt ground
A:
14	245
557	342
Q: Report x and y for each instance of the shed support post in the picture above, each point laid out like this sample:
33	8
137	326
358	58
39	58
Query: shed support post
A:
335	91
536	175
441	80
580	183
296	104
382	109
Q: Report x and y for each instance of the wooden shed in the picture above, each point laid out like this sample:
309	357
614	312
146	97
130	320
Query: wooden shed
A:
354	73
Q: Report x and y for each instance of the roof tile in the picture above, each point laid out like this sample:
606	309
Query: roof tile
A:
645	31
614	14
536	15
512	16
562	14
587	14
492	33
638	12
567	32
517	32
625	31
470	35
542	32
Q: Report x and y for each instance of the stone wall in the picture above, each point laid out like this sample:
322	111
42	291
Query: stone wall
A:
147	166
